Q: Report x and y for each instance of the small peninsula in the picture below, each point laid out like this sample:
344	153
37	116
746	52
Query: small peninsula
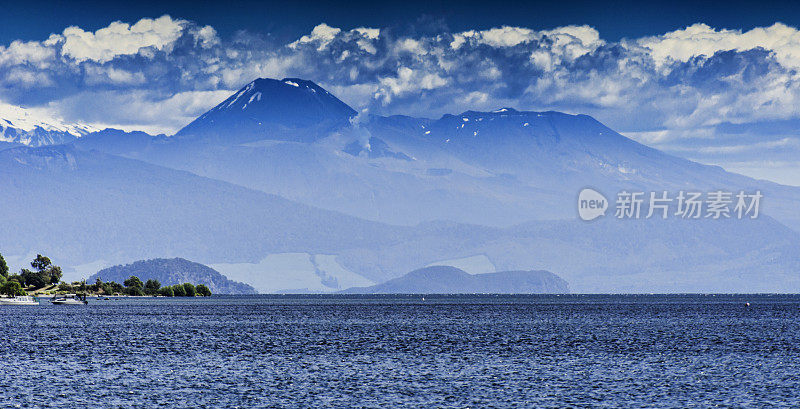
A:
174	271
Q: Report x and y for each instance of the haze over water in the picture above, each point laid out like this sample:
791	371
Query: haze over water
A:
393	351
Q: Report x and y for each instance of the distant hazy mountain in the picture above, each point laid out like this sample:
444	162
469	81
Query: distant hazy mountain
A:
451	280
19	125
119	142
173	271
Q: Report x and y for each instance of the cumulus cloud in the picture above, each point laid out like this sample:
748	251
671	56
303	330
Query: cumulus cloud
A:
32	53
120	39
663	89
703	40
321	35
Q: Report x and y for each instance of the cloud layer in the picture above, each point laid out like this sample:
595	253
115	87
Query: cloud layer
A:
678	90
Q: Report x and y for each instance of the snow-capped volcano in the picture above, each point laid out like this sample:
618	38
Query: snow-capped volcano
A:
292	138
289	109
29	127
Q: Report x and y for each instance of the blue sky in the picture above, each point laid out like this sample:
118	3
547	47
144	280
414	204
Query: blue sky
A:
31	20
717	83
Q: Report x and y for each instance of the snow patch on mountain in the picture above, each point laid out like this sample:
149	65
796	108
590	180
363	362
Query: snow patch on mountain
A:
35	128
293	272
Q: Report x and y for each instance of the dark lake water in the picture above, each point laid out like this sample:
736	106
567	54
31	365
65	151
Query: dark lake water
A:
400	351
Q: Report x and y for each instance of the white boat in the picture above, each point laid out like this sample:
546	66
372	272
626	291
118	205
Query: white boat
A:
69	299
20	300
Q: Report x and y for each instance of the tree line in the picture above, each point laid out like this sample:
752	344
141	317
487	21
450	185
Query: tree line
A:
135	286
44	273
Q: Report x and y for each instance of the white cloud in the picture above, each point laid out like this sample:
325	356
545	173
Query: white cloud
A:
321	35
572	42
496	37
27	52
701	39
100	74
408	81
569	42
410	45
206	36
27	78
370	33
121	38
138	110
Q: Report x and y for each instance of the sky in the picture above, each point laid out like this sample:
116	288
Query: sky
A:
716	82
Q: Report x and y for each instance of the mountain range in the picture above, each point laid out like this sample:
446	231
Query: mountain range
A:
283	186
490	168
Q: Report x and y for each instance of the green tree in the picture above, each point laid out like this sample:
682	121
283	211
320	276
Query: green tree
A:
41	263
65	287
111	288
166	291
134	291
151	287
97	286
116	287
12	288
45	273
133	282
203	290
179	290
3	267
33	279
55	274
191	291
